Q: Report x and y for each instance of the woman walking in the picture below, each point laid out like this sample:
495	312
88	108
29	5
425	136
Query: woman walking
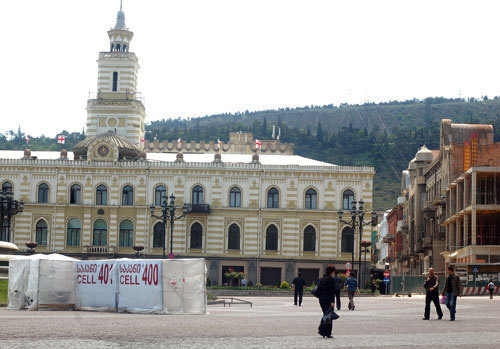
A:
327	299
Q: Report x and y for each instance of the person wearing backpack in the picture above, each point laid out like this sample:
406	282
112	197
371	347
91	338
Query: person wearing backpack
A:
351	286
326	290
491	288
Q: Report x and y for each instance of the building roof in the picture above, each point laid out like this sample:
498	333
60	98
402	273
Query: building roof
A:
126	148
197	158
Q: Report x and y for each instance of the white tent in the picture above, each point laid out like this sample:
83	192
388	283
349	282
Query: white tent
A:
41	280
174	286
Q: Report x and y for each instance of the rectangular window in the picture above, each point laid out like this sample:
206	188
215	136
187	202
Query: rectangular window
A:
115	81
73	237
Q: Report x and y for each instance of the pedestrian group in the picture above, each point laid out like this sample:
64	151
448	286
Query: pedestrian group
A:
328	288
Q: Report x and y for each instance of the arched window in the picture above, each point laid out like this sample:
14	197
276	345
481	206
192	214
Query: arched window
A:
347	199
158	234
311	199
126	233
273	198
309	238
43	193
233	238
127	195
347	240
101	195
160	192
196	236
235	197
41	232
272	238
197	198
7	186
73	232
100	233
75	194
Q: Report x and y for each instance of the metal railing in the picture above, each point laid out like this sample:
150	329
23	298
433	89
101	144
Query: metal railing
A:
99	249
229	301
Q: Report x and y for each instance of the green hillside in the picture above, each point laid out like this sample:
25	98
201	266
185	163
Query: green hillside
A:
384	135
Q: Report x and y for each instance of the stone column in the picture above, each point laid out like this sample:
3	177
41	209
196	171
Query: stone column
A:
466	191
289	271
466	229
473	204
252	271
452	237
458	233
213	271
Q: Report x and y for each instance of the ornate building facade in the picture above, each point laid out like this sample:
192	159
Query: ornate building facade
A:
268	213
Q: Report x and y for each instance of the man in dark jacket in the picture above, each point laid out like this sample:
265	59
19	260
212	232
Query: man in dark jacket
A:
326	299
452	289
299	284
431	286
338	286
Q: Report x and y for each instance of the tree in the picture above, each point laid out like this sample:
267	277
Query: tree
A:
319	133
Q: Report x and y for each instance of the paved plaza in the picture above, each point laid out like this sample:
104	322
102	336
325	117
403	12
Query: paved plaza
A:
272	322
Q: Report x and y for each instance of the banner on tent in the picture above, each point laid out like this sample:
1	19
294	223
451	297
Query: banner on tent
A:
96	284
140	286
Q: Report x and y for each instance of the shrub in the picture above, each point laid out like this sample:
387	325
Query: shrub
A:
249	283
285	285
209	281
309	288
258	285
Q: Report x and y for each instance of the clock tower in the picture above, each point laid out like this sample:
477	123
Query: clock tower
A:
117	106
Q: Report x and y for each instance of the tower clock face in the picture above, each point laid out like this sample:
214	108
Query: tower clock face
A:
103	150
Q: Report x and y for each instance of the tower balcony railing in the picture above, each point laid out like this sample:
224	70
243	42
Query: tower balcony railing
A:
127	95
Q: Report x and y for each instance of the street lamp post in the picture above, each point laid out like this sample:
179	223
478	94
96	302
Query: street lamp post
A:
357	216
365	245
168	214
8	208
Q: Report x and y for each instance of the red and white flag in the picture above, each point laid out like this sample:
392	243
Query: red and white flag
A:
27	139
179	141
61	139
258	144
218	143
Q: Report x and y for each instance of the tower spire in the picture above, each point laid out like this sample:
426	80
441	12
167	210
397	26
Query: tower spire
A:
120	19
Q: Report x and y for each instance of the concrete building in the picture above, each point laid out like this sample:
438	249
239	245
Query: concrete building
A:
451	211
266	212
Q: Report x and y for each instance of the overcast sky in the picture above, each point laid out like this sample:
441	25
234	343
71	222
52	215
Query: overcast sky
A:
200	57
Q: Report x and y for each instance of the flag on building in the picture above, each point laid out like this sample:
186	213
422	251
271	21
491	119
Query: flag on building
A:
258	144
27	139
61	139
